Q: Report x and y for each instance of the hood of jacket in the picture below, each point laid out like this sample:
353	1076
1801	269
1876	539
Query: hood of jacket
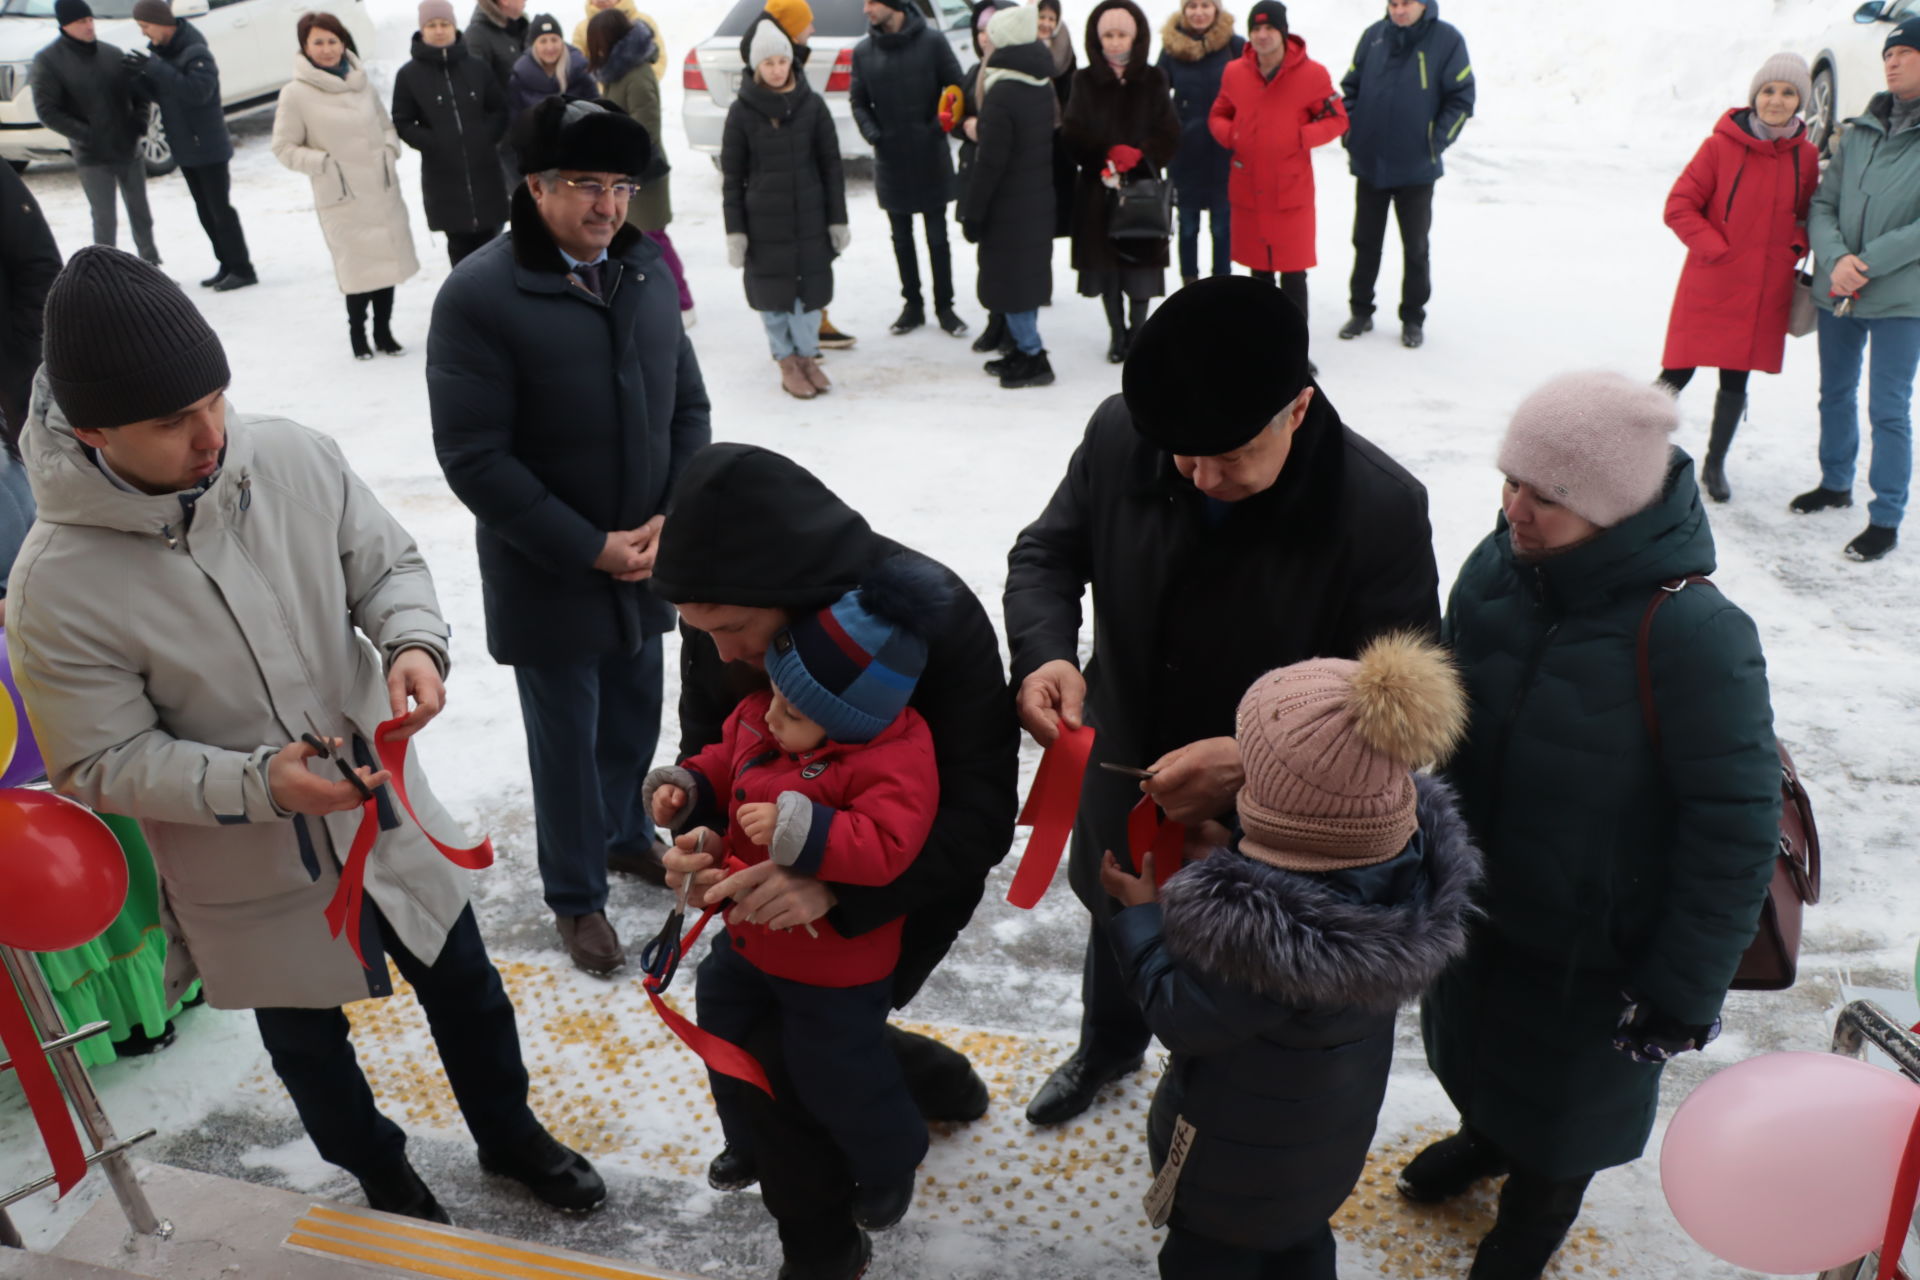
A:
776	105
635	49
1733	125
326	81
70	489
1142	38
534	248
909	31
436	56
1031	63
1374	937
974	11
186	39
1182	44
1669	539
748	526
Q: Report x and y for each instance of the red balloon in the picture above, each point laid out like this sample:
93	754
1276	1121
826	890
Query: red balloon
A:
64	874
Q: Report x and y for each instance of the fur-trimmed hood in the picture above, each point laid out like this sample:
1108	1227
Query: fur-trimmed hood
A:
1298	938
1180	42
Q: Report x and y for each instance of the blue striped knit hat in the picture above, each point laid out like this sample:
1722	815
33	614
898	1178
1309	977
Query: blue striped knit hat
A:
851	667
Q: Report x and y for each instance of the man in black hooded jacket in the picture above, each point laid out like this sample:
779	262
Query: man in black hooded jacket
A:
751	539
1227	527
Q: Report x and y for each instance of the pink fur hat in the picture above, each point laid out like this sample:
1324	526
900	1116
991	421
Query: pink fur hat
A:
1593	441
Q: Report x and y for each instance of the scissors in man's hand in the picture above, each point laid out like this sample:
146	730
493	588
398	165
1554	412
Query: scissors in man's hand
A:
661	957
319	742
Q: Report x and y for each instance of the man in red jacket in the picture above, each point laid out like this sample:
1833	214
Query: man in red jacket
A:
1275	105
832	774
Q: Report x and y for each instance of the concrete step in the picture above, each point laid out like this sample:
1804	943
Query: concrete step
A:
229	1230
15	1265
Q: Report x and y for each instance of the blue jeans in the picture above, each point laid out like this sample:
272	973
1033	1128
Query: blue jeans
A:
1219	221
1896	353
591	730
792	333
1024	328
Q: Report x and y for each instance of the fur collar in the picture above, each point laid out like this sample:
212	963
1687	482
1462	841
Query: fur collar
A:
1178	41
1294	938
533	245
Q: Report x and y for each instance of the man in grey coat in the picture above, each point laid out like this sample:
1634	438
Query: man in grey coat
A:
83	91
174	627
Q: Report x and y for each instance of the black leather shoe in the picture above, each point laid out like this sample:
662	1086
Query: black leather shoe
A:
911	318
1446	1168
1821	499
878	1207
1356	326
214	279
954	326
732	1171
1412	336
850	1265
557	1176
138	1043
1072	1086
400	1190
235	280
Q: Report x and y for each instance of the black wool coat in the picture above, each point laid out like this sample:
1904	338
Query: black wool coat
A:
84	93
895	97
1009	198
781	185
1188	612
559	417
750	527
182	78
449	108
1275	992
1105	111
29	260
495	45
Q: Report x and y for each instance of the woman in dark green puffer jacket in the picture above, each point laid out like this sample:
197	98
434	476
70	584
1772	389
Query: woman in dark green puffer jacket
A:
1624	882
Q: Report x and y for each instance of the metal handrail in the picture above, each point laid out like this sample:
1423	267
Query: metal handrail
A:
1863	1024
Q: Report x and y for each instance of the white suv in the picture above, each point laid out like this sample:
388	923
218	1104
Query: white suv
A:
712	72
1846	66
252	41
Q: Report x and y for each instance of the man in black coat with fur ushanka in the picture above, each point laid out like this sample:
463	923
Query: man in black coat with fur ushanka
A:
565	400
752	540
1227	526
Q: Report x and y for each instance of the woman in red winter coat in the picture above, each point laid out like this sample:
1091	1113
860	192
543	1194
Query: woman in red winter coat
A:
1276	104
1741	209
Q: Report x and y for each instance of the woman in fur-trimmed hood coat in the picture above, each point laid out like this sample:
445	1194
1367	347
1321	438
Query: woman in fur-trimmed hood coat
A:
1275	991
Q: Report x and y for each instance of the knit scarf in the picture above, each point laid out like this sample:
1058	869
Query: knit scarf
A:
990	76
1771	133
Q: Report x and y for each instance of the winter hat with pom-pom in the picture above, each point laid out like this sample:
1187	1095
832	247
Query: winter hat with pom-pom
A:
1595	442
1328	747
1784	68
851	667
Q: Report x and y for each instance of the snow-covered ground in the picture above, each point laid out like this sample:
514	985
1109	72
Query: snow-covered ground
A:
1549	254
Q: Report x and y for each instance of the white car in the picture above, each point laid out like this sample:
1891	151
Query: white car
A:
252	41
712	73
1846	66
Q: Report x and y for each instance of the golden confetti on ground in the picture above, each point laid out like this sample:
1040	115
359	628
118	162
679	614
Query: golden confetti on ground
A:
610	1080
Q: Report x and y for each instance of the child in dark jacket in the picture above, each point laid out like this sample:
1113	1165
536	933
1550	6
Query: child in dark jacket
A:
1272	968
832	774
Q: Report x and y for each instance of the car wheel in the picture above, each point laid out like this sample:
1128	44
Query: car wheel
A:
154	148
1820	113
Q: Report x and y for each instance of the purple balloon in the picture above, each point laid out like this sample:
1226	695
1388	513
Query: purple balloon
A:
26	765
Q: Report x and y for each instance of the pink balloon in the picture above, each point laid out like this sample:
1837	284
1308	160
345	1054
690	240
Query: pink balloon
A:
1785	1163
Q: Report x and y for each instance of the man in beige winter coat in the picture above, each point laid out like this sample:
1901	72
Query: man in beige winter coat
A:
175	627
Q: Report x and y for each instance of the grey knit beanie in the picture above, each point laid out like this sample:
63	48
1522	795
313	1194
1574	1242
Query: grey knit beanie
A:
769	41
1787	68
123	344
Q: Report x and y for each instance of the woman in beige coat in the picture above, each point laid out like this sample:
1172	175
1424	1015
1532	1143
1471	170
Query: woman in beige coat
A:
331	126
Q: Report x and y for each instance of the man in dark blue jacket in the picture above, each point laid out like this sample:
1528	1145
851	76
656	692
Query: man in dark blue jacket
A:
1408	93
181	77
565	400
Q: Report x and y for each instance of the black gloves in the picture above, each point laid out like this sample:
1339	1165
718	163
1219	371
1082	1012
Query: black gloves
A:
1647	1035
135	60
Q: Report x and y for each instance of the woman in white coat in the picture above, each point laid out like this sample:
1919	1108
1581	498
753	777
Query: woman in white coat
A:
331	126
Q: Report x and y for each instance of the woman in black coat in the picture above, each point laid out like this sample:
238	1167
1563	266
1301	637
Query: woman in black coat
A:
785	203
449	108
1119	119
967	126
1007	208
1059	42
1195	47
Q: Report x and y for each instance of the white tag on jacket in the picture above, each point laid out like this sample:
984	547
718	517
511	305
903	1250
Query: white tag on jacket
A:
1158	1202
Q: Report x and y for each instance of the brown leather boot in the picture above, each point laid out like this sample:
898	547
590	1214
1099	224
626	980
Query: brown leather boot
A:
591	942
810	365
794	380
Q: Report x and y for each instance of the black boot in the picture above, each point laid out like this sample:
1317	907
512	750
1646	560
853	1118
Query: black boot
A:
1535	1215
875	1208
1873	544
1027	371
954	326
400	1190
357	325
1820	499
382	317
1446	1168
912	316
1728	408
849	1264
732	1170
994	336
558	1176
1116	326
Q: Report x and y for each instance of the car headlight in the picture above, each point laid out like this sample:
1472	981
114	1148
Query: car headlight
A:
13	78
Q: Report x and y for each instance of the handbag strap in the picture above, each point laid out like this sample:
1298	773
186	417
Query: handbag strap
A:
1643	648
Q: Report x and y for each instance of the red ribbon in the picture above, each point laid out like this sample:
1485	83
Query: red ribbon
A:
723	1056
1150	831
1906	1190
1050	809
343	913
48	1104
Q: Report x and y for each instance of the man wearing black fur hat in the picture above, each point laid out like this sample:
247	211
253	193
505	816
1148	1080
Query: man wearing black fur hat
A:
1226	529
566	399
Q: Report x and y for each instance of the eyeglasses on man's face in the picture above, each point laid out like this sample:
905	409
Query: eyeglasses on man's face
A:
593	190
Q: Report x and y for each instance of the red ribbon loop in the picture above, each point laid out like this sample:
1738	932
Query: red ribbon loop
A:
722	1055
1906	1190
1150	831
343	912
1050	810
48	1104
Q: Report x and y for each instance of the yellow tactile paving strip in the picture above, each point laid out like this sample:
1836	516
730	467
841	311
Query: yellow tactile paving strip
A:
428	1250
612	1082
